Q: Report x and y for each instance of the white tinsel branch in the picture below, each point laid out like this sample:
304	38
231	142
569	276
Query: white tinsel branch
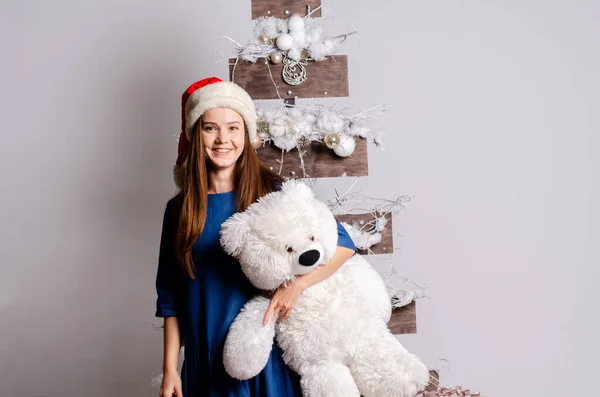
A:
360	203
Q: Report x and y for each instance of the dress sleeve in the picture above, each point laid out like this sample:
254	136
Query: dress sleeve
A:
344	239
168	276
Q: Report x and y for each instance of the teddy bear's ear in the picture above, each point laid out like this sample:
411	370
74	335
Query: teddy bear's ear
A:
233	233
297	189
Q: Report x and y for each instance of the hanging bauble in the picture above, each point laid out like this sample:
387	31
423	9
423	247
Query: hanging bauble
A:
264	39
294	73
346	146
332	140
256	142
284	42
295	23
275	57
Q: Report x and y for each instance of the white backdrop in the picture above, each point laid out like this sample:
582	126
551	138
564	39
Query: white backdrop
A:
493	134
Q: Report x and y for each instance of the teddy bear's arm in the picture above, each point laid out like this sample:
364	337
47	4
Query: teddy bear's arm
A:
249	343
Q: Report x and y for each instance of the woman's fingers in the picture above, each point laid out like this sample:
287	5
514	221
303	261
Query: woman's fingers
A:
284	314
269	312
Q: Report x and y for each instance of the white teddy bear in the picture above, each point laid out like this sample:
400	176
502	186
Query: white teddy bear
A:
336	337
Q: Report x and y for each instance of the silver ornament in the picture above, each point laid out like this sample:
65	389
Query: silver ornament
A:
294	72
287	12
292	173
264	39
332	140
276	58
289	92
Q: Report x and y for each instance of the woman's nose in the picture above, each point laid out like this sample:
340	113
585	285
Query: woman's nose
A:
222	136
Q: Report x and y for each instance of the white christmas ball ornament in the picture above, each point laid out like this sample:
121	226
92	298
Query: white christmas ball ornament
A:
295	23
346	146
284	42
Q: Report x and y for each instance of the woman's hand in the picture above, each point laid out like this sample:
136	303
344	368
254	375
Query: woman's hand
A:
284	299
171	384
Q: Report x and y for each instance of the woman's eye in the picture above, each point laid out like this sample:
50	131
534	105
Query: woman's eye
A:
234	128
290	249
209	129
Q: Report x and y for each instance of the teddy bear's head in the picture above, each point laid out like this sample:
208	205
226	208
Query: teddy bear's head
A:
284	234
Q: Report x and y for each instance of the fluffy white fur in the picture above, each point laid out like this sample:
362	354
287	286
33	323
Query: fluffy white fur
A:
336	337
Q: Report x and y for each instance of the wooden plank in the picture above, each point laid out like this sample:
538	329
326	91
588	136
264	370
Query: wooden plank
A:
319	161
404	319
277	8
325	79
386	246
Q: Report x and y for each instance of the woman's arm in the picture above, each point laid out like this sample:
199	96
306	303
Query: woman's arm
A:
286	296
172	344
171	383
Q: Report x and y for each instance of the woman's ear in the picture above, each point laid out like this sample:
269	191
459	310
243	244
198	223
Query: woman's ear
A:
234	232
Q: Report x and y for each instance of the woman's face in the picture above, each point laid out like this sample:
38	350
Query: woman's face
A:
223	135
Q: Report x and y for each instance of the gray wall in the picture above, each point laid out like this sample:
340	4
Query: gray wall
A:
494	134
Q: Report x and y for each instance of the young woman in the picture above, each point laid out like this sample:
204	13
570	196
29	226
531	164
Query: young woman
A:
200	288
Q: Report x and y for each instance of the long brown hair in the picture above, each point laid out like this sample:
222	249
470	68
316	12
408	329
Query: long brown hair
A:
252	180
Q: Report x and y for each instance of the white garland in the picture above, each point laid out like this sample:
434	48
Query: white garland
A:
287	126
308	43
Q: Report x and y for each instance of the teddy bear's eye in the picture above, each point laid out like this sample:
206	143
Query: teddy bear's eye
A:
290	249
312	238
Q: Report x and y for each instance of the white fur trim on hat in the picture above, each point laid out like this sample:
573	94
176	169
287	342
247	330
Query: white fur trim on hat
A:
224	94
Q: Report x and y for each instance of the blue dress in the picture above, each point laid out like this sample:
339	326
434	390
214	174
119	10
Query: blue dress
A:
207	305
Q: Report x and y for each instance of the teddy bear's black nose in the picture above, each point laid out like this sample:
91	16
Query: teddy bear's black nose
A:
309	258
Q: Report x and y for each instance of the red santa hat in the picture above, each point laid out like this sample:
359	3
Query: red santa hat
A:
204	95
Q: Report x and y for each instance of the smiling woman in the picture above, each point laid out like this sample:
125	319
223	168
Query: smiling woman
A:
200	288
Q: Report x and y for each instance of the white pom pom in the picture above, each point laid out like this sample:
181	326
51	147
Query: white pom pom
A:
295	53
296	113
284	42
299	38
282	26
358	130
266	26
295	23
330	121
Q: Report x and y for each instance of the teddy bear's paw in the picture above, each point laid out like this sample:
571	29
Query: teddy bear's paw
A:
249	343
244	362
415	377
388	370
328	380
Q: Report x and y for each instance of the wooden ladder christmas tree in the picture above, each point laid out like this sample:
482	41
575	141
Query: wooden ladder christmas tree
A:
267	79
